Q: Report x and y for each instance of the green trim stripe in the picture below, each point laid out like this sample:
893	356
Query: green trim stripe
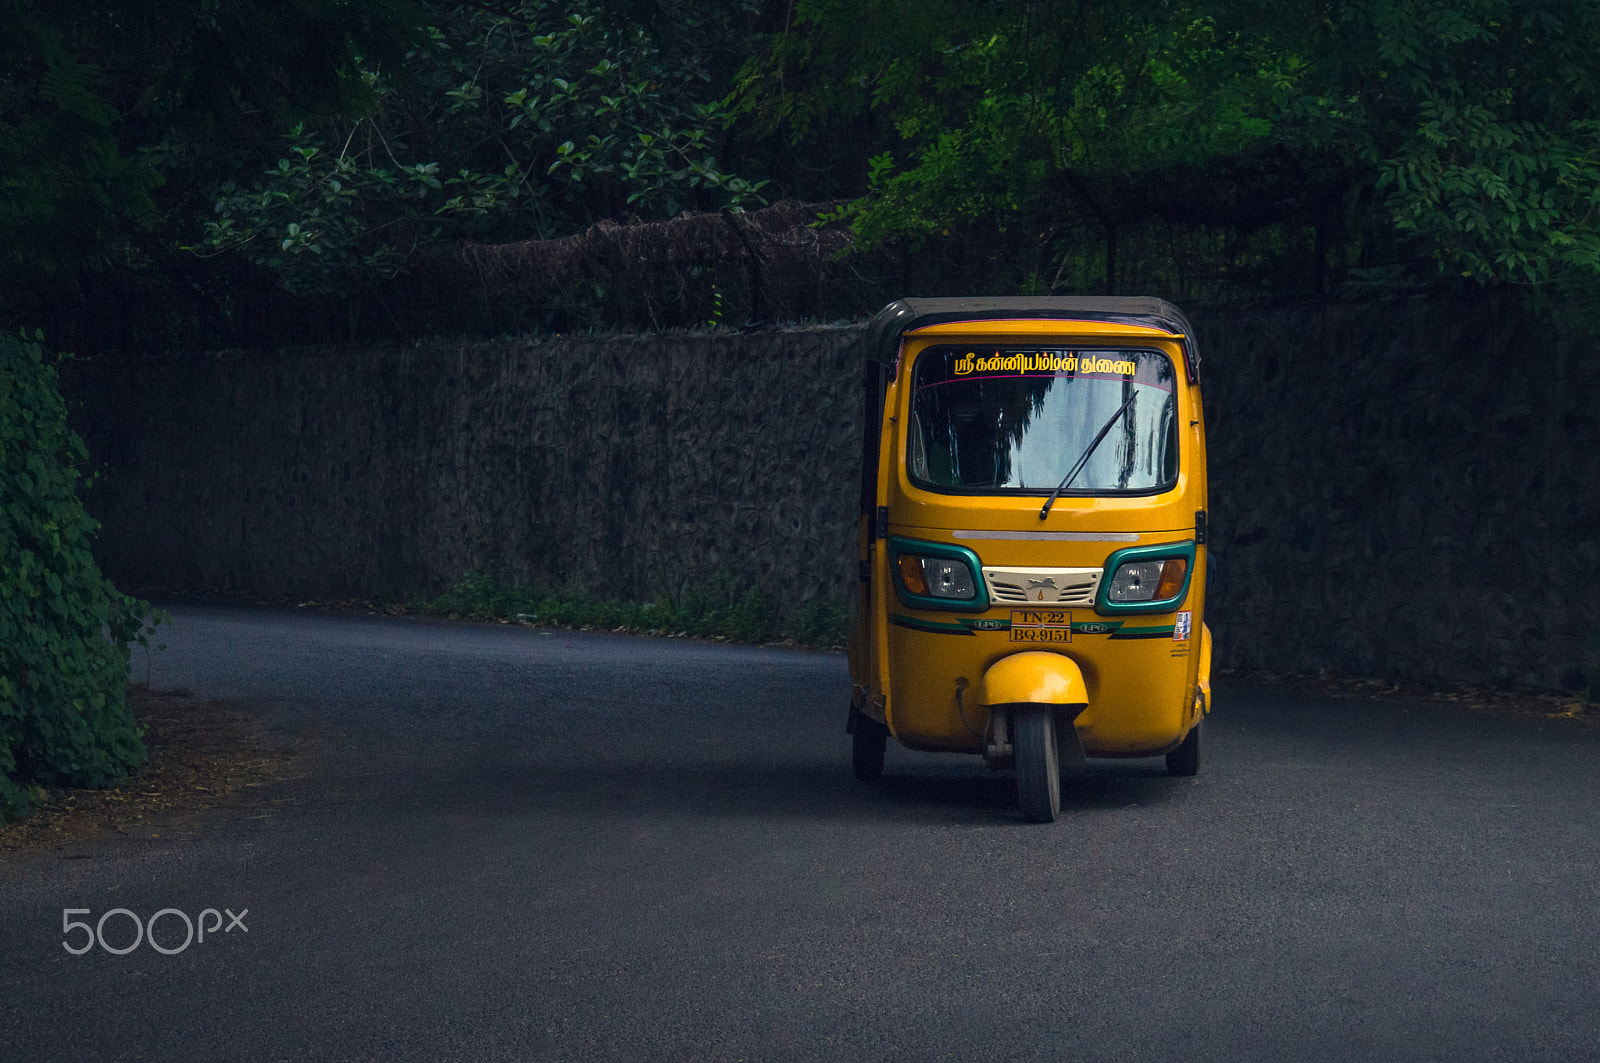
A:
930	625
1145	632
1114	628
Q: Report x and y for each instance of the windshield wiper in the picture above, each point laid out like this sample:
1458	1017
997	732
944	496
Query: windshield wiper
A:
1084	460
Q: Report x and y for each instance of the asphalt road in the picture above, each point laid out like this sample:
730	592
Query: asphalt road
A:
518	845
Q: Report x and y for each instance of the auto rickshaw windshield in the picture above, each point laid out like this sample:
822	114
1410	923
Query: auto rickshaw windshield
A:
1019	419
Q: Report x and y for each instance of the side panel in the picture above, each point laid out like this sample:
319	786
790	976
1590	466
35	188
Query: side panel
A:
882	590
858	640
864	642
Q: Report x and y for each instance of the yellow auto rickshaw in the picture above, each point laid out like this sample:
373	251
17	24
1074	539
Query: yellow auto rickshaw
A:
1032	538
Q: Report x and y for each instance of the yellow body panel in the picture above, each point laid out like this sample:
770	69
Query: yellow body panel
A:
1033	677
926	672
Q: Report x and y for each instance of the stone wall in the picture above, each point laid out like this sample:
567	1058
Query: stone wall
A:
1408	488
622	465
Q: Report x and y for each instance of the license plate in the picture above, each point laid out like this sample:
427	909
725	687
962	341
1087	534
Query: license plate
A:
1041	625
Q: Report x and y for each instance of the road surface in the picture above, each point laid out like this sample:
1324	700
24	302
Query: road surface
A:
511	844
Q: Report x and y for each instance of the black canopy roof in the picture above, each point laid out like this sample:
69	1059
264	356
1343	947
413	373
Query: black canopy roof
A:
903	315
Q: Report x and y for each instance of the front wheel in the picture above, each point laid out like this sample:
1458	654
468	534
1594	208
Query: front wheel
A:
1185	760
1038	765
868	742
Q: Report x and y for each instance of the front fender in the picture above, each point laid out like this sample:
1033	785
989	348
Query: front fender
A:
1034	677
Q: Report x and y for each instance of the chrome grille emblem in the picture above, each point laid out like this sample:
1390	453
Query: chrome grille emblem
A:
1060	586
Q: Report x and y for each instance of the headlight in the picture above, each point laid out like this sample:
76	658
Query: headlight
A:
948	579
1148	581
937	577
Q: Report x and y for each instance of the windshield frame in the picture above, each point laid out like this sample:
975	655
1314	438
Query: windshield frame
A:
1009	345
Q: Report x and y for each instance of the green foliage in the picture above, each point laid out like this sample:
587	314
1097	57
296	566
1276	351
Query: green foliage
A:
64	180
321	222
100	102
1497	165
528	120
1359	139
64	629
1200	148
1474	122
716	609
1001	109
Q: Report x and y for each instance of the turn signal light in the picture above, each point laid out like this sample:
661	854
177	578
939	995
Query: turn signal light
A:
911	574
1173	569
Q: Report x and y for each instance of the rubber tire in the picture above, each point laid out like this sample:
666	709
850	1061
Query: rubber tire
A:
1033	740
1185	760
867	747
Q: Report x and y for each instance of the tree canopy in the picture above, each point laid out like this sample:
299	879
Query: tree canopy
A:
1369	139
533	119
264	172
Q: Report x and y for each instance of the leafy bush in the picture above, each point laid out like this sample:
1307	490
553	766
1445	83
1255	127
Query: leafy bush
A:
64	629
526	119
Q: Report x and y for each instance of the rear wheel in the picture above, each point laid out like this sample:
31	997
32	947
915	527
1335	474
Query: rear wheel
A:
1033	740
1185	760
867	745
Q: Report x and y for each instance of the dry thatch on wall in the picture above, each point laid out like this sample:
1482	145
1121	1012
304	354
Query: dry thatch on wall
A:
769	261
